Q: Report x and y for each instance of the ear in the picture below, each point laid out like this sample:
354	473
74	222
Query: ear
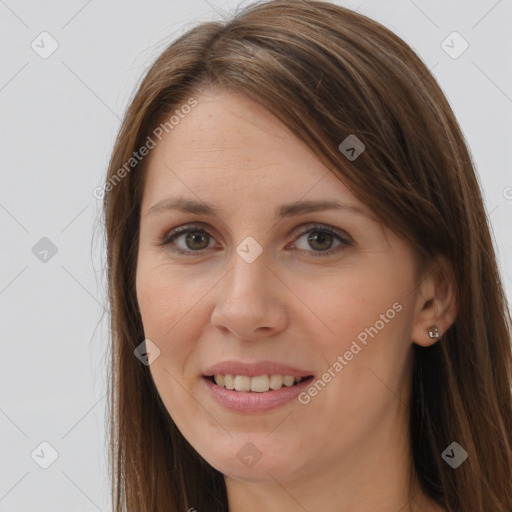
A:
437	303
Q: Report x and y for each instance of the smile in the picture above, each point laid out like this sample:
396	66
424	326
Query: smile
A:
254	402
258	384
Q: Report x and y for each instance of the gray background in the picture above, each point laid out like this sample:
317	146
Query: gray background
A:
59	117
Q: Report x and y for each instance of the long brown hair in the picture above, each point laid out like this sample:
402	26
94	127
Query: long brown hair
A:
326	72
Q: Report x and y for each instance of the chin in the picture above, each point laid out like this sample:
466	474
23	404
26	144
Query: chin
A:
251	464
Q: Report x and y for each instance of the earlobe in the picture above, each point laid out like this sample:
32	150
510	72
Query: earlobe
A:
433	332
437	304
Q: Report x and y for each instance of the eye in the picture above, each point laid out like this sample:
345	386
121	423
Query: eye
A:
192	240
321	238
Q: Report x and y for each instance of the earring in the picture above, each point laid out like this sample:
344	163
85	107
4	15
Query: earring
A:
433	332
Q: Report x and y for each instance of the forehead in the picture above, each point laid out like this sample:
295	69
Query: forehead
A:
231	148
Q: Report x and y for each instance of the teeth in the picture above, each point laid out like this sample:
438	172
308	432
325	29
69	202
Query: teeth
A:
229	382
242	383
288	380
259	384
276	382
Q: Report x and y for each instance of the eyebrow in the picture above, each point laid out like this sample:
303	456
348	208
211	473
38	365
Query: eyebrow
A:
286	210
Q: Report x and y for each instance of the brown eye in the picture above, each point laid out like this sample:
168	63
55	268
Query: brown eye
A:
320	240
192	240
187	240
195	240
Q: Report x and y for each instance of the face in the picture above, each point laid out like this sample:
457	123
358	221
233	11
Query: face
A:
270	294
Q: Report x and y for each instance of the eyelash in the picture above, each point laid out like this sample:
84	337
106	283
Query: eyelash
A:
183	230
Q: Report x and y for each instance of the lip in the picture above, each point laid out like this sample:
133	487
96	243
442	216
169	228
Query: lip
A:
252	402
255	369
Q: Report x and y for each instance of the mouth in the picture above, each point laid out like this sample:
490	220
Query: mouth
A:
256	384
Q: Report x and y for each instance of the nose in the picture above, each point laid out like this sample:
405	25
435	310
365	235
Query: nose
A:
251	301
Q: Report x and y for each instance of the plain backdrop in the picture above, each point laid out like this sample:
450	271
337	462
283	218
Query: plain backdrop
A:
59	117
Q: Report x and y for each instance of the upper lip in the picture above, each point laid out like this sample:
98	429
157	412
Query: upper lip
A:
255	369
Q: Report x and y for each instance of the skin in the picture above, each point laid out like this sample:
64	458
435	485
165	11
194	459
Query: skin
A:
347	449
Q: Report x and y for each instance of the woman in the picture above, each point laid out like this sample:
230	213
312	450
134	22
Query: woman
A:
306	308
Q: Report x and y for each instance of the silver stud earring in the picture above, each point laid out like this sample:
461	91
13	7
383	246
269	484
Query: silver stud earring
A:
433	332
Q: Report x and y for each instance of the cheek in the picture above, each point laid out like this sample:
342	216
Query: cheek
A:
164	305
165	296
355	304
169	318
371	314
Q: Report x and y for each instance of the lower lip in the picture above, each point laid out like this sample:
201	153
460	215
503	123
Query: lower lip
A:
253	402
